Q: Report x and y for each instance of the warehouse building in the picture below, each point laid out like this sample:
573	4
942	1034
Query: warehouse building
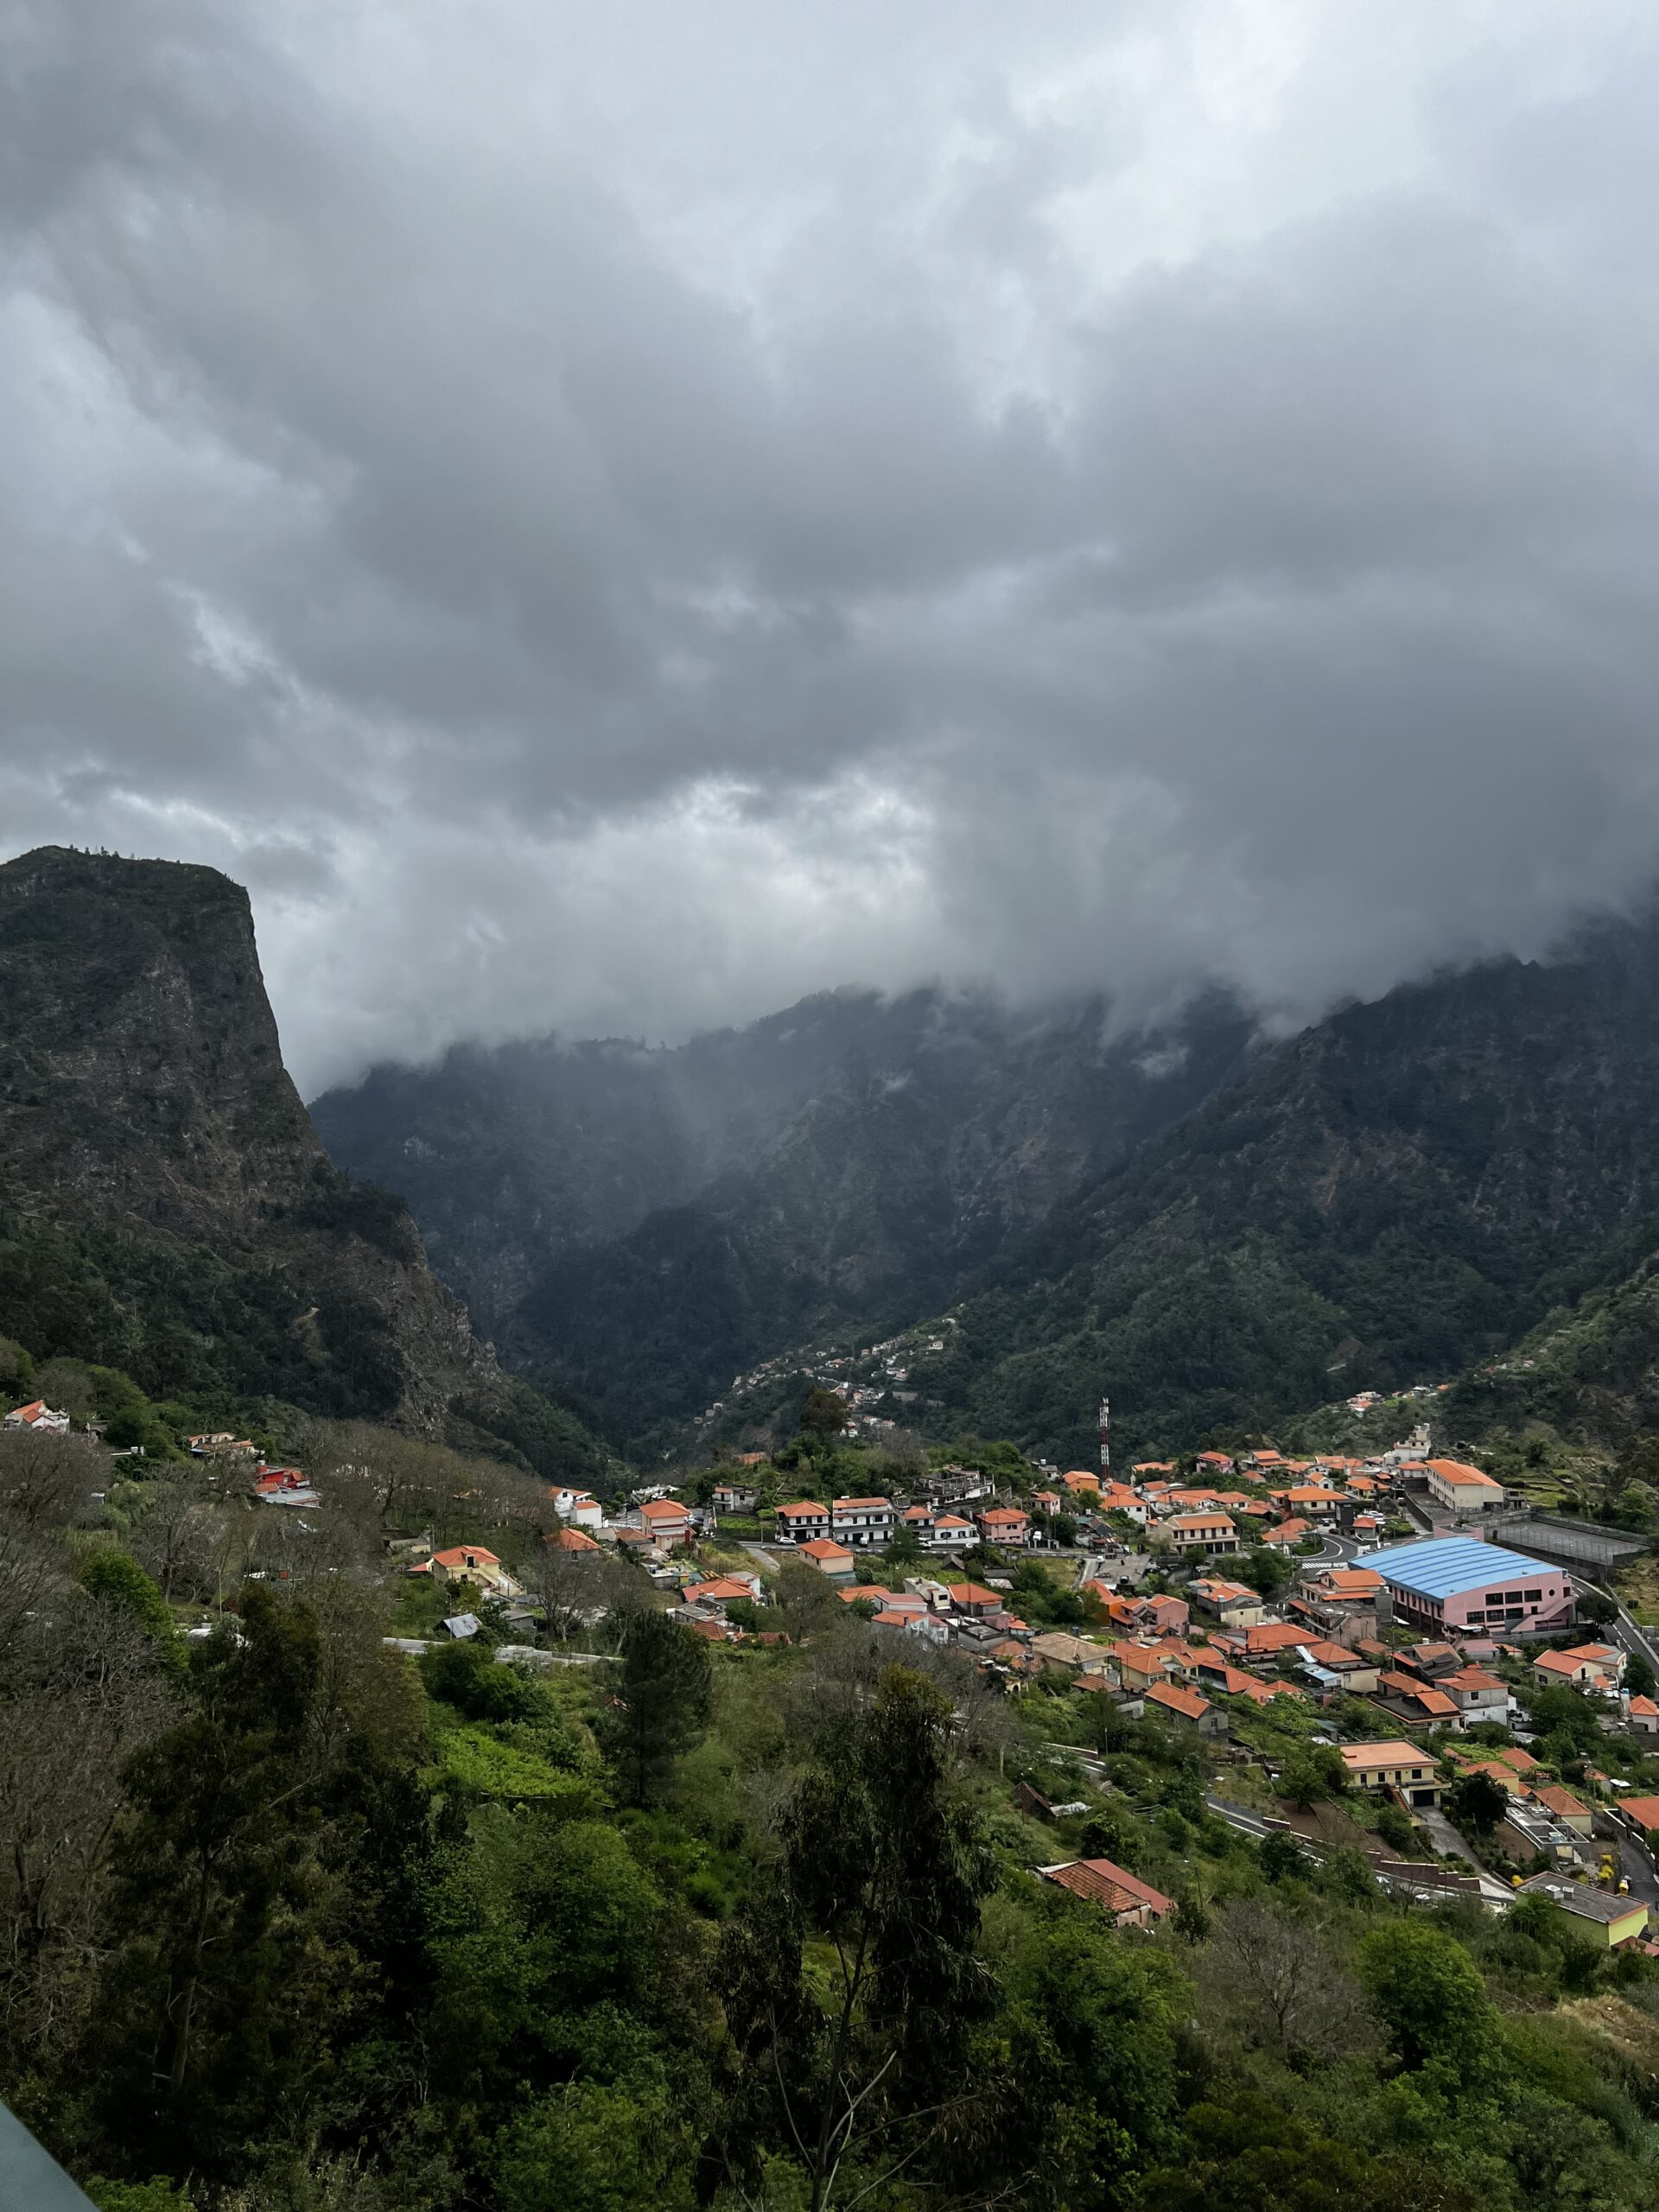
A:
1448	1585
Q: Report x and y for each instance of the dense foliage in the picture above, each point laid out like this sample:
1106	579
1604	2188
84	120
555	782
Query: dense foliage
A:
290	1923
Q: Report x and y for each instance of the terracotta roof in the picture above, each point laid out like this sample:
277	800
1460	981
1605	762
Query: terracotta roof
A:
821	1548
1461	1476
662	1508
1102	1883
972	1593
1643	1810
1187	1703
1555	1799
464	1555
1365	1758
572	1540
861	1505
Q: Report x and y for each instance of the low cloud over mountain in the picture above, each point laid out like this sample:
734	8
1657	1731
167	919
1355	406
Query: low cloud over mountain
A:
618	519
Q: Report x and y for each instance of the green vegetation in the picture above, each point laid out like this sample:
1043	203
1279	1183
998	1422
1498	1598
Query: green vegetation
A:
297	1924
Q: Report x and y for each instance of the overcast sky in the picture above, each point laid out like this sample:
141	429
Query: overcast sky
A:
612	516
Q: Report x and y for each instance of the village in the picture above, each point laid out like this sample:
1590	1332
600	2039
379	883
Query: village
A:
1357	1620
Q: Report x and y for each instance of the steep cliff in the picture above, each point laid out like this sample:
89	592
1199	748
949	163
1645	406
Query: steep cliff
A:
166	1205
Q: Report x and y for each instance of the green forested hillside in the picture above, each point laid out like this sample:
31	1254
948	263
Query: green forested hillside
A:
1384	1199
637	1226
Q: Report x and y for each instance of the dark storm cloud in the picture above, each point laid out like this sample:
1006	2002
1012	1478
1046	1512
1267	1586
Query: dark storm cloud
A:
615	519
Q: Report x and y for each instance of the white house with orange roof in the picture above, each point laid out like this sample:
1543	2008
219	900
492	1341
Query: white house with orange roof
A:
804	1519
39	1419
866	1523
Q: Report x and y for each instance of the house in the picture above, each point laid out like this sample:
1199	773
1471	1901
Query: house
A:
804	1519
1312	1502
1285	1535
1169	1616
1131	1902
667	1520
1579	1669
472	1563
1608	1919
1334	1666
572	1540
1235	1605
1118	1498
1352	1588
1478	1694
724	1590
578	1509
1639	1814
1170	1700
1398	1768
1271	1638
1140	1665
1462	1489
1215	1463
949	1533
1402	1697
1431	1662
865	1522
39	1419
1643	1716
1082	1486
734	1497
1208	1533
831	1559
284	1486
972	1601
1059	1648
1047	1500
1005	1525
1561	1805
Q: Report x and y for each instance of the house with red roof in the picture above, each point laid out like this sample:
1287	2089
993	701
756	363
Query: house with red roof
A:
829	1558
667	1520
1130	1902
38	1418
806	1517
1210	1533
1172	1701
866	1523
1004	1525
472	1563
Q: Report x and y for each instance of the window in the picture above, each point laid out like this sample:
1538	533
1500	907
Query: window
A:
1532	1597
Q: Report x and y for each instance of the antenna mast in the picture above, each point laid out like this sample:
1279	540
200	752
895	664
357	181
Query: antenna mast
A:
1105	1436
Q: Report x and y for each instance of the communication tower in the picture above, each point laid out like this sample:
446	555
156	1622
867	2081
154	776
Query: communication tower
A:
1105	1436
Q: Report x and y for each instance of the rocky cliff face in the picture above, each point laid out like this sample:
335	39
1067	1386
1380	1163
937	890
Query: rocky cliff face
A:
168	1206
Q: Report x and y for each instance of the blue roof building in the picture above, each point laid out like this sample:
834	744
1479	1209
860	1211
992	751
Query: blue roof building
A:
1458	1582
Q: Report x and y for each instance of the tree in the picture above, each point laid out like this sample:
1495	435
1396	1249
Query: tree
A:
662	1702
1312	1773
855	2072
1279	1980
1428	1992
1639	1678
1265	1571
824	1415
1251	2156
1476	1803
1594	1608
215	1966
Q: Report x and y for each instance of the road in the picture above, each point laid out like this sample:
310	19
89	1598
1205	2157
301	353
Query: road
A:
1445	1838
